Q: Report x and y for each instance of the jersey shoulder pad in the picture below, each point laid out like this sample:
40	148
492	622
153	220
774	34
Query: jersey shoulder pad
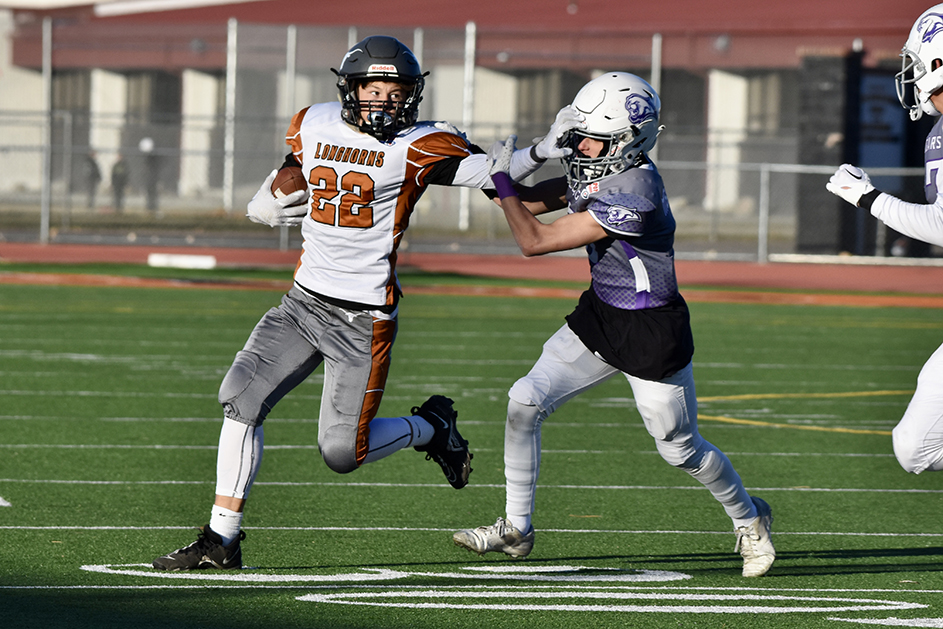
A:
437	143
625	219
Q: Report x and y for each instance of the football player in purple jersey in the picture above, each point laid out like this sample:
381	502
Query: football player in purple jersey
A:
631	321
918	437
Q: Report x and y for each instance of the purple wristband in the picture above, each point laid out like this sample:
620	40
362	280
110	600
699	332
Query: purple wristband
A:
503	185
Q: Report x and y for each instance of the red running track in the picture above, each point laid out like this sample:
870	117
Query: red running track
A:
794	276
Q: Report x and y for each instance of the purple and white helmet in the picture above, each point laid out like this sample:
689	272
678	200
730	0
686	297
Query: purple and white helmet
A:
622	111
923	47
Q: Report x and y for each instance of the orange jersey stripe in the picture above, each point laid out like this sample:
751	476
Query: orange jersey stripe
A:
381	349
293	135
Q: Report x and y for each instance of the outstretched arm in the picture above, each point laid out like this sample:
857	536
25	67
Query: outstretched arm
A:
546	196
921	221
473	170
532	236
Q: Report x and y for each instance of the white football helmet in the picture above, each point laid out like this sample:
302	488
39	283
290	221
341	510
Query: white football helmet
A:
924	45
622	111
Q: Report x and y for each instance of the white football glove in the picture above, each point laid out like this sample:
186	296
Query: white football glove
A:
548	146
288	211
499	155
850	183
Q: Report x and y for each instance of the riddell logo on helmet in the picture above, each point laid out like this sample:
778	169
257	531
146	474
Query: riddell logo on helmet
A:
381	67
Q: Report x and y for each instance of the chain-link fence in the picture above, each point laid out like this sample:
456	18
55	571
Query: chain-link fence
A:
172	158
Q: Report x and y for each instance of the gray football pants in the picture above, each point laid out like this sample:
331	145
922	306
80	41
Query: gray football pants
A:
668	408
288	344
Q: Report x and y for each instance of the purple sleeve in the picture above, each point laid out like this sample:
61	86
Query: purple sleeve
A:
621	214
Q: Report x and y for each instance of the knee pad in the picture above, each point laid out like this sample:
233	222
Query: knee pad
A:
523	417
338	449
236	405
665	418
907	451
679	453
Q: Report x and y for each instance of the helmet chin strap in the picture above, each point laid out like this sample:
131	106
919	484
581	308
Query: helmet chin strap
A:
380	119
379	124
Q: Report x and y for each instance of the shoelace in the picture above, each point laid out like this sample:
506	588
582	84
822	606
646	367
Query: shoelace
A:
747	533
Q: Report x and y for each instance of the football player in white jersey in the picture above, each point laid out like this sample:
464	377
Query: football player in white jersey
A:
918	437
367	161
631	321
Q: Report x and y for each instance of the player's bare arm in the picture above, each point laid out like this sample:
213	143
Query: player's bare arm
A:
534	237
547	196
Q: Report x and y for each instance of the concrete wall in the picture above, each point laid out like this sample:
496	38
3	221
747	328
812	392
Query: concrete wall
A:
21	107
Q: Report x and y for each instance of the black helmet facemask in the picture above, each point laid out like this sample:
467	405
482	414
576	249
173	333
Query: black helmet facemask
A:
380	58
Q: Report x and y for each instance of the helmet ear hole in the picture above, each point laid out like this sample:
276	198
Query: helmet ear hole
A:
935	64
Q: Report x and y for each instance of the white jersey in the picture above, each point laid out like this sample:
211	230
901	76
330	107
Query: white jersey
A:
363	192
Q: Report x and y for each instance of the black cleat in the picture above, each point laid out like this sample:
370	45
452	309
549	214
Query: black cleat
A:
447	448
206	552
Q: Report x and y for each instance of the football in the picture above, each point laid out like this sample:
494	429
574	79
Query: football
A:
287	180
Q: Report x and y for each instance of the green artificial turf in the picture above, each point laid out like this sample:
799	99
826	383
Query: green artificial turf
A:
109	421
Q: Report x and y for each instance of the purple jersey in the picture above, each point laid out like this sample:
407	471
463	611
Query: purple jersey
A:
633	268
920	221
933	158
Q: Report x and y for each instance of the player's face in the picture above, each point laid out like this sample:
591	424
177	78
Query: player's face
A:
387	94
937	99
590	147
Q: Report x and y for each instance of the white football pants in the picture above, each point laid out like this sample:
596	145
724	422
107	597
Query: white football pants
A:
668	408
918	437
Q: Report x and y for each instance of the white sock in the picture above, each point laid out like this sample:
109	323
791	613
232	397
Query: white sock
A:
226	523
520	522
389	434
738	522
238	458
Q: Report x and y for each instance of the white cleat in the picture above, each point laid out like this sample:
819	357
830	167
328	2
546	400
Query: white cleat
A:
754	543
499	537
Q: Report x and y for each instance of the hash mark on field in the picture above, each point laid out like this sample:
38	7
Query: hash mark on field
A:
4	503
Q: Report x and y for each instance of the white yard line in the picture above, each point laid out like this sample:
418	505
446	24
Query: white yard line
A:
413	529
118	446
53	481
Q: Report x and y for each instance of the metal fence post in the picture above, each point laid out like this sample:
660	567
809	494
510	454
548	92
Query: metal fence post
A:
46	194
468	113
291	70
67	155
762	237
229	142
656	79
